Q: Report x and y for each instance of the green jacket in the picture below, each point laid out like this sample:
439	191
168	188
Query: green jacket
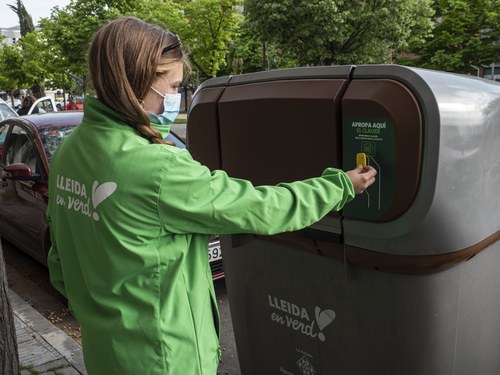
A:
130	222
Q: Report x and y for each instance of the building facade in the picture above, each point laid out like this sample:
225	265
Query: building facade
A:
491	71
11	34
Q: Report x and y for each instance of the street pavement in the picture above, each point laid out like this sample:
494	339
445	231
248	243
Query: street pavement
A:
43	348
180	129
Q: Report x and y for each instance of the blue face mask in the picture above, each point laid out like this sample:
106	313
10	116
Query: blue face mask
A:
171	108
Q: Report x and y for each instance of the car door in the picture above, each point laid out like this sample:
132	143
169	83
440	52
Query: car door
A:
4	128
21	218
43	105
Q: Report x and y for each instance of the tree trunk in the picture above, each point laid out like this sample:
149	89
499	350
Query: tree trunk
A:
11	94
38	91
9	358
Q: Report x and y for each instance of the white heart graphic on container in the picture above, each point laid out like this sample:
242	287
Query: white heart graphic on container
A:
323	318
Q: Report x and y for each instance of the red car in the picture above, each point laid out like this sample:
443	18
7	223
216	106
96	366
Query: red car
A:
26	145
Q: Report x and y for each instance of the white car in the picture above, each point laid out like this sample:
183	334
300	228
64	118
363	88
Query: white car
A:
42	105
17	104
6	111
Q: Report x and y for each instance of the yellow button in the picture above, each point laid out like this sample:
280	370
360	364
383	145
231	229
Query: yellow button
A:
361	159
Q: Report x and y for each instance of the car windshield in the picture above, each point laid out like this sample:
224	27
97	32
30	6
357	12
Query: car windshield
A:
6	112
52	138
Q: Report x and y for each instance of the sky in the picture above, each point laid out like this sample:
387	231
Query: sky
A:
36	8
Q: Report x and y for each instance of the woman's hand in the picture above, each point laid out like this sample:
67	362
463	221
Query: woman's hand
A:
362	178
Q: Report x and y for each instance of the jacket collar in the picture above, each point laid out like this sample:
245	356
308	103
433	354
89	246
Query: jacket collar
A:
96	111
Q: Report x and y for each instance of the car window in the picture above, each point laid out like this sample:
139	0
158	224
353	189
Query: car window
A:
22	149
6	111
52	138
43	107
3	133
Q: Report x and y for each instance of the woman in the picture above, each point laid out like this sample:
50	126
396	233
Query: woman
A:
130	215
26	105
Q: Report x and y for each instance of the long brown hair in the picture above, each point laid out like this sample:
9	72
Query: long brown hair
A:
28	101
125	57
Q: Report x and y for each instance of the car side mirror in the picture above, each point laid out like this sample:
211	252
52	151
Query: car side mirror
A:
20	172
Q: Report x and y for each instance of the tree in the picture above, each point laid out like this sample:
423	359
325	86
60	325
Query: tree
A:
27	27
9	358
36	68
69	30
466	34
247	55
166	14
324	32
11	76
28	63
210	28
206	27
25	20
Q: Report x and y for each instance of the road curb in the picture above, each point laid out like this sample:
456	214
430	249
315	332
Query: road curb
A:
40	343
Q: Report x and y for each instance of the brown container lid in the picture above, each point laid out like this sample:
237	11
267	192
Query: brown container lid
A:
281	131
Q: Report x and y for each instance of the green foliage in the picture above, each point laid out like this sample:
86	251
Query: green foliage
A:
25	20
205	26
324	32
11	77
25	64
211	26
69	30
36	64
271	34
249	54
245	54
166	14
207	29
466	34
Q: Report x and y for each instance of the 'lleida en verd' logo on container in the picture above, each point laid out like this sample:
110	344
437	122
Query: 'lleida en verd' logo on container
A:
297	318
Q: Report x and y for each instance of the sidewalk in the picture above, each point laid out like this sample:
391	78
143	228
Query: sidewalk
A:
43	348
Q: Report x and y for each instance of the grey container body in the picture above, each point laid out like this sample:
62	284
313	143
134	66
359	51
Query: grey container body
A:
444	323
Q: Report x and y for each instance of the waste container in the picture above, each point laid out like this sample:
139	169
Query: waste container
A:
406	279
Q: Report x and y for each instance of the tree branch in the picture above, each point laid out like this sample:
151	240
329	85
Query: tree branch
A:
199	67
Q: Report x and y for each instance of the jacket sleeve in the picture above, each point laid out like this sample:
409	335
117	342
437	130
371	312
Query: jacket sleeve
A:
192	199
55	269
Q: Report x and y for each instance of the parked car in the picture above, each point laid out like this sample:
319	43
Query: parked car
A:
17	103
13	102
42	105
73	103
60	105
27	144
6	111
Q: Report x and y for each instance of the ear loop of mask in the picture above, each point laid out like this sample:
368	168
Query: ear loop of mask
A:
159	93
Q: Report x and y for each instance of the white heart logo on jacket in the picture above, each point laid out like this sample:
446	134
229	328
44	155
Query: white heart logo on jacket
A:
100	193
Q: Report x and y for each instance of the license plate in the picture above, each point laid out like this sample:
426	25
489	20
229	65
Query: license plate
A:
214	252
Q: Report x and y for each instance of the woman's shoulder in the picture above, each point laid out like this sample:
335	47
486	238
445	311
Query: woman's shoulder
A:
172	150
